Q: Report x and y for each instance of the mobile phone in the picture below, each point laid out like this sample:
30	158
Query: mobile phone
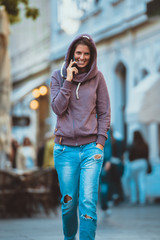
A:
75	64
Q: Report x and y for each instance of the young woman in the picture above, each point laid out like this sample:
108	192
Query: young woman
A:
80	99
139	158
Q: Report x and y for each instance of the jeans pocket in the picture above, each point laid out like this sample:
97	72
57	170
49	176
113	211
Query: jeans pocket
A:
58	149
93	146
99	149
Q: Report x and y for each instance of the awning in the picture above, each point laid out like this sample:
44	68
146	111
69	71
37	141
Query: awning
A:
21	92
144	101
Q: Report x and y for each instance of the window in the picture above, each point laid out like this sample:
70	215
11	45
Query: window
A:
71	12
68	16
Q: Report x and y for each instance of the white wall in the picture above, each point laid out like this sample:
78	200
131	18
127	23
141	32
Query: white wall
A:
30	42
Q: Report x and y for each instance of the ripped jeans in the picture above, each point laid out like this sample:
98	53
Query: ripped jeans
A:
78	169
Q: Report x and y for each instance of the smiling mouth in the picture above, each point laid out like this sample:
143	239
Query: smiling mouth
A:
80	62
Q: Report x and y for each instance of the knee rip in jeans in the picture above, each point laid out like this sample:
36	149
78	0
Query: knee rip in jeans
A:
67	198
97	156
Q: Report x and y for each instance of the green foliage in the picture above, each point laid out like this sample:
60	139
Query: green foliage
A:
13	8
32	12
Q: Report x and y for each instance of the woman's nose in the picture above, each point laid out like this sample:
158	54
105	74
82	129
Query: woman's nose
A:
82	56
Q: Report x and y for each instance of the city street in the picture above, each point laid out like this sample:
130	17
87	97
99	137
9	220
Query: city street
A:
126	222
79	84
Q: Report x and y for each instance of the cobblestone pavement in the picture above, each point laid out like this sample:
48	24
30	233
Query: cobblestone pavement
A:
127	223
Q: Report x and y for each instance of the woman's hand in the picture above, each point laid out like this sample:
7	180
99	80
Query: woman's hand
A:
71	70
99	146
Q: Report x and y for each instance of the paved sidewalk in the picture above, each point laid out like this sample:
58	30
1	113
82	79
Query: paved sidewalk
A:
127	223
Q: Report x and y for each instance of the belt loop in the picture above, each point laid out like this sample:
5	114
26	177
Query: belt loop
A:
60	140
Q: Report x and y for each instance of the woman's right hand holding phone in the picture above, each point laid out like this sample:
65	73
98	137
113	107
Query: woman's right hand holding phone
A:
71	69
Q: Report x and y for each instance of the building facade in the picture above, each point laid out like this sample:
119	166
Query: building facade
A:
30	69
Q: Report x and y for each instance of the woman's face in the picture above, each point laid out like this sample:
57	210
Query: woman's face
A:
82	55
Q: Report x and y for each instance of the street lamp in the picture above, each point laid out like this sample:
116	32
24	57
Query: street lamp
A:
43	90
34	104
36	93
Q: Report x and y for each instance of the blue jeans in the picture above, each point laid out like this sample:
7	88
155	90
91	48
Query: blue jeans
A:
138	171
78	171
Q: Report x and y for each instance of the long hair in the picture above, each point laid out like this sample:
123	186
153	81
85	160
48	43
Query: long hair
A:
138	138
139	148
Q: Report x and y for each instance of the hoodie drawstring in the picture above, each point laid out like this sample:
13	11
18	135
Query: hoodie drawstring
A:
77	96
62	69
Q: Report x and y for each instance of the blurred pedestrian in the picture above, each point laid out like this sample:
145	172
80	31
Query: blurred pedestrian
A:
48	160
79	97
138	157
13	155
104	177
40	154
118	145
26	155
45	156
117	161
112	171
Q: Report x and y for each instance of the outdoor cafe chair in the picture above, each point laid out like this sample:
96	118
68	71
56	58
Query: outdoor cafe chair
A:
9	189
38	188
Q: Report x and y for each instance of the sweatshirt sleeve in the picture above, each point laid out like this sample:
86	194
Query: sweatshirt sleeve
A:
103	110
59	95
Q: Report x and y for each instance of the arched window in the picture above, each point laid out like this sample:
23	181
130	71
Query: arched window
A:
120	99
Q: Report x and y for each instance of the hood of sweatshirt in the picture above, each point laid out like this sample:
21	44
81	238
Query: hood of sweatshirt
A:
93	70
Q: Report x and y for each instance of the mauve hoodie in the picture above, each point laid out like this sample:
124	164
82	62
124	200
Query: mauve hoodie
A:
82	106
